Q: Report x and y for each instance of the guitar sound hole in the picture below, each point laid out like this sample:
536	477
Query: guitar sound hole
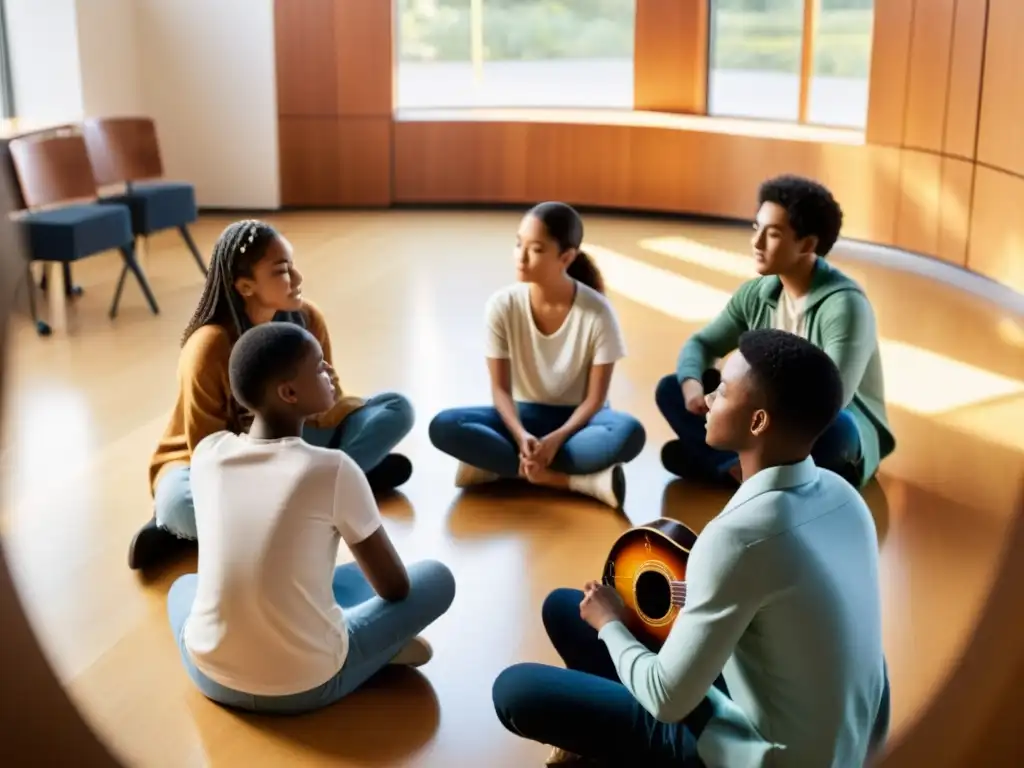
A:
653	594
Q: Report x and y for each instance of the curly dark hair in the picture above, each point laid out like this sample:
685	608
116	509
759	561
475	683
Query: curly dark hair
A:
264	355
240	246
810	207
801	383
565	226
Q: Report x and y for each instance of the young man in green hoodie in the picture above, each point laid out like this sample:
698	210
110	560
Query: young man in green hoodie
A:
798	222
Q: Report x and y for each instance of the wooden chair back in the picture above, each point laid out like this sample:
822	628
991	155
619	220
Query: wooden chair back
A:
122	149
52	167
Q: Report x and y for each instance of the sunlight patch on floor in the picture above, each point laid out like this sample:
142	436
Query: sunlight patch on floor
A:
929	383
701	255
659	289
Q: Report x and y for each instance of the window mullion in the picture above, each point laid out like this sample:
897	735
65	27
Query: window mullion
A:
807	56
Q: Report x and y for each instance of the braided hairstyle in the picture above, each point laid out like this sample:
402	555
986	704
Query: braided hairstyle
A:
240	246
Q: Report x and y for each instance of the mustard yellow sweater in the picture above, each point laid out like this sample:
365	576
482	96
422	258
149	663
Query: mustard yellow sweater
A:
205	404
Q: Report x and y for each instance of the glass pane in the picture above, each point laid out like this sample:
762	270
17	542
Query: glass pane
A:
515	53
842	63
755	58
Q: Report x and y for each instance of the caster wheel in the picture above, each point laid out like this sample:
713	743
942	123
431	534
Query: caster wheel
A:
43	329
75	291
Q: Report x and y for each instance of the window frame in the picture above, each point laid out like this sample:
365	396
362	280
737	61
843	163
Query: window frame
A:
808	35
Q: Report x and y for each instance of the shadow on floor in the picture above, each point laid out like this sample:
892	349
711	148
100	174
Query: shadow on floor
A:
385	722
513	506
395	505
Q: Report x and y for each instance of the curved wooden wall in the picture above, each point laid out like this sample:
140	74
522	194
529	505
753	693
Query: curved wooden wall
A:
939	171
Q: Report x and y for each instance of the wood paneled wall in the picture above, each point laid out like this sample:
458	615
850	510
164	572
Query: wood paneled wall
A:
941	174
947	89
334	95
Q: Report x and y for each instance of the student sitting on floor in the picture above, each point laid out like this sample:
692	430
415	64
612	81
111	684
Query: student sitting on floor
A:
797	224
552	343
269	624
253	280
782	602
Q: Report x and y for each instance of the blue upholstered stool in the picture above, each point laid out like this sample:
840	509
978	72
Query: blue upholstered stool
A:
77	231
160	205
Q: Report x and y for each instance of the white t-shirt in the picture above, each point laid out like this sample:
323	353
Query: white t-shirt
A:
789	315
270	515
555	369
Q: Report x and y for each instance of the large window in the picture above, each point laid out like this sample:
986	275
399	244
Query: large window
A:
515	53
798	60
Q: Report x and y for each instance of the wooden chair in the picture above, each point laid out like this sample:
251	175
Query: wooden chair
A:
63	221
10	178
125	150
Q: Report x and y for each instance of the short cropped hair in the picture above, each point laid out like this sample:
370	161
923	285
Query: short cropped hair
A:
810	207
801	383
266	354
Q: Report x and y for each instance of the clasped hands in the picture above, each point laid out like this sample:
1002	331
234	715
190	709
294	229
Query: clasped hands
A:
536	454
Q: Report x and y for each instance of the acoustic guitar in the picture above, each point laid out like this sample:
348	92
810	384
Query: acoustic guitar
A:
647	568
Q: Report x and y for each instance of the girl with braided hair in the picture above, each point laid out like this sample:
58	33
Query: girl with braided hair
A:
253	279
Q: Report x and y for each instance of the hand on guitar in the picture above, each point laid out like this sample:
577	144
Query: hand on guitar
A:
600	605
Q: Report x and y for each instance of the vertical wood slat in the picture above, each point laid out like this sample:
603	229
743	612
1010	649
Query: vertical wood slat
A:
917	223
364	51
304	48
928	74
955	210
670	56
997	229
890	58
1001	117
965	70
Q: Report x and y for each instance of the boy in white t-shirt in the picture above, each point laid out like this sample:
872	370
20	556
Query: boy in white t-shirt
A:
269	623
552	343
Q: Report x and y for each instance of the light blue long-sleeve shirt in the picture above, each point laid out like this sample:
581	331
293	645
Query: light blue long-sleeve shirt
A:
783	600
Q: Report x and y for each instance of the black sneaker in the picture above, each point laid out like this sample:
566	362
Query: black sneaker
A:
679	459
152	545
392	472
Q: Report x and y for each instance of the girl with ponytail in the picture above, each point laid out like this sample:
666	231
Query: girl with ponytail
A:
552	343
253	279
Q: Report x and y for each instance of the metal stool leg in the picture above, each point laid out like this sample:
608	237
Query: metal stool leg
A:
130	263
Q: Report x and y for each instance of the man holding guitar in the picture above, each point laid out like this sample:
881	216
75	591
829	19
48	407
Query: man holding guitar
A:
782	601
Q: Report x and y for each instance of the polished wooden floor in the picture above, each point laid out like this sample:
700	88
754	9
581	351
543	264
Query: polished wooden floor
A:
403	292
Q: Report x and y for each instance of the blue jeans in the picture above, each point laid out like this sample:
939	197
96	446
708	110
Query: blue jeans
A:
377	631
367	435
838	449
478	436
584	708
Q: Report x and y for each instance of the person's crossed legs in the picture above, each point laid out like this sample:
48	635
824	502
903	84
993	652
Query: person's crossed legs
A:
368	435
584	709
689	456
587	461
378	631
